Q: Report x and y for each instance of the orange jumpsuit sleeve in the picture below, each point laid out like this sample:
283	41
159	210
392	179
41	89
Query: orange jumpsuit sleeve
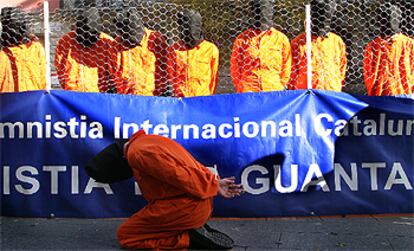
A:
158	45
6	77
295	65
343	63
61	56
236	64
172	69
41	55
114	71
410	72
214	70
286	63
368	68
193	179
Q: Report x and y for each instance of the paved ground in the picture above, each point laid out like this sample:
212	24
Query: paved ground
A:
335	233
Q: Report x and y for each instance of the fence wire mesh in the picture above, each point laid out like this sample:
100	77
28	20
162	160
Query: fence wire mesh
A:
194	48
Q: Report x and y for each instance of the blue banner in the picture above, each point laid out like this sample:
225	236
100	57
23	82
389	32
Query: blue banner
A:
296	152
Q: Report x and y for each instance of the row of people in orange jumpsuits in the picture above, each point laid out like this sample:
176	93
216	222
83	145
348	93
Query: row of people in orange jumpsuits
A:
138	61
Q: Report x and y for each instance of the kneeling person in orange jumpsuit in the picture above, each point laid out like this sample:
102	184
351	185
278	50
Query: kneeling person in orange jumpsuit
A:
179	191
22	58
193	62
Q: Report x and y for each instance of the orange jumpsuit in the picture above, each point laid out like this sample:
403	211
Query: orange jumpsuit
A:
179	191
328	63
23	68
193	72
139	70
80	68
261	61
389	65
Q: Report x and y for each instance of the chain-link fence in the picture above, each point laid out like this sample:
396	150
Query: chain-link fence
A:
193	48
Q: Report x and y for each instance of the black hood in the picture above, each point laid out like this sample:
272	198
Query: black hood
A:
389	18
322	13
110	165
129	28
190	27
14	27
87	27
262	14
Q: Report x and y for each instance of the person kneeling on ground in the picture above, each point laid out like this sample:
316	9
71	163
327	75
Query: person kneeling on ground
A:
178	188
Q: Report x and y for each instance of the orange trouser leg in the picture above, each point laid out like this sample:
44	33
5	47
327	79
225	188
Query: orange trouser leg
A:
132	235
163	224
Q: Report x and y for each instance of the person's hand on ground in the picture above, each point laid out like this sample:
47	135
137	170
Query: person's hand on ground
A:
228	189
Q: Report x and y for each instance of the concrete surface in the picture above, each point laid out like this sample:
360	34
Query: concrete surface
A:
329	233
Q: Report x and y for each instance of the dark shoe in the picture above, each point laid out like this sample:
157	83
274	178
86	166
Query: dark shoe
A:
209	239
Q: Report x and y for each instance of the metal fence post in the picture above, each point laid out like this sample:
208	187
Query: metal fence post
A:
47	45
309	45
